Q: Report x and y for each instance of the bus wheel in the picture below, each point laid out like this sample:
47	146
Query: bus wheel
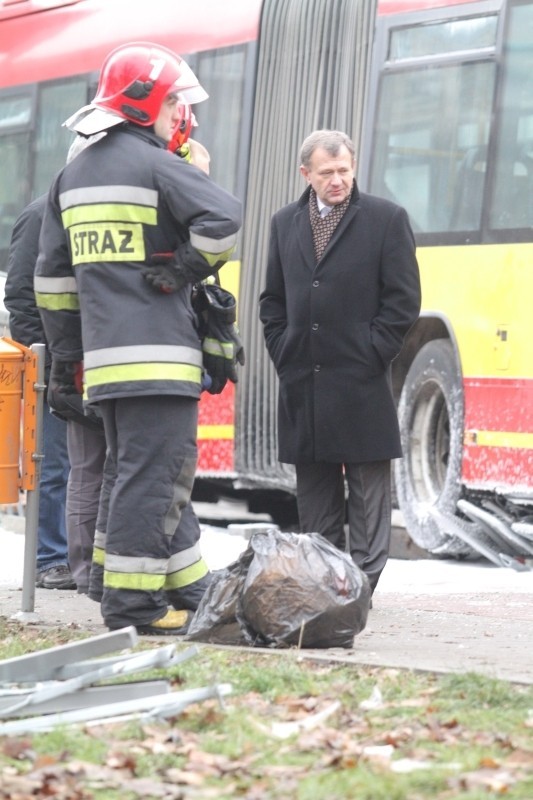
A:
431	414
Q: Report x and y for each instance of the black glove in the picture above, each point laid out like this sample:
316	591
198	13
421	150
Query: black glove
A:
168	274
165	274
221	344
64	394
213	385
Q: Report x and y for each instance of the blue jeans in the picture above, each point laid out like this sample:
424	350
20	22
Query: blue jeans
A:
52	529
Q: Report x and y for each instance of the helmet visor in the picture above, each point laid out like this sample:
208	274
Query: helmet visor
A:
189	86
89	120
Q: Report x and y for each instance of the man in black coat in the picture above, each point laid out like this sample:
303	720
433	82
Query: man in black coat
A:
342	290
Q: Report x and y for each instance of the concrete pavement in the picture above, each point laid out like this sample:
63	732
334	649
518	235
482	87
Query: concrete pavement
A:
428	614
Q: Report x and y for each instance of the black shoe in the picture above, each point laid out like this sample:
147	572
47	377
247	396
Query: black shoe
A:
59	577
174	623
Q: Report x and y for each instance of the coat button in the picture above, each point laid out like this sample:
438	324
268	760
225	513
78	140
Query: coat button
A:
315	326
316	283
317	367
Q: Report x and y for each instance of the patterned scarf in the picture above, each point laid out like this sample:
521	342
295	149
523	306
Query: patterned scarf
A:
323	227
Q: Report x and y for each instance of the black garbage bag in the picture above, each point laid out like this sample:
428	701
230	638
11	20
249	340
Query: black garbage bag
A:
286	589
215	620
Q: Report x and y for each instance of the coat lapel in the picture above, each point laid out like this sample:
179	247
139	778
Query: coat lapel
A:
304	235
340	230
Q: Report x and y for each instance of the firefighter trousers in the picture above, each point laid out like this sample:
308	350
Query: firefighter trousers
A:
146	550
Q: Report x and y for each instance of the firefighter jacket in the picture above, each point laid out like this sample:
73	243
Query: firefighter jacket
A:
119	202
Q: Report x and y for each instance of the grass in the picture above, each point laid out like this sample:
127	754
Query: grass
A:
395	735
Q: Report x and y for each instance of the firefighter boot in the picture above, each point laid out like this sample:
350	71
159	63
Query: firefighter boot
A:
174	623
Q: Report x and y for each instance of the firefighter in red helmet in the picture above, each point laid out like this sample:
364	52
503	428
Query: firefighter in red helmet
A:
134	81
110	213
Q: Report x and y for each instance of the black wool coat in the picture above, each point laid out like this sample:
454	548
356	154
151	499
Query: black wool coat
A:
24	319
332	329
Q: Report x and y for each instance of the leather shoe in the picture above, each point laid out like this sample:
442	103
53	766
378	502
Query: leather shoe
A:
174	623
59	577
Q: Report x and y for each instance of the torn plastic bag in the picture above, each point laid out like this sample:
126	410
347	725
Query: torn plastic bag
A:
215	620
286	589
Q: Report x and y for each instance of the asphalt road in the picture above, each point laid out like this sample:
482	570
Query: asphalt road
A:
428	614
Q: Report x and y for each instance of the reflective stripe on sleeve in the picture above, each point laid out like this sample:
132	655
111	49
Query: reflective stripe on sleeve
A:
56	294
57	302
215	251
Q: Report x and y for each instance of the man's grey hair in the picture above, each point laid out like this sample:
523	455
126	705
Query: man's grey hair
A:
330	141
81	142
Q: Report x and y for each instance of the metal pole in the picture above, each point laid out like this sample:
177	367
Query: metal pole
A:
32	496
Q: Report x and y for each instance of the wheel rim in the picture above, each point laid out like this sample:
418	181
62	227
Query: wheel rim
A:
429	449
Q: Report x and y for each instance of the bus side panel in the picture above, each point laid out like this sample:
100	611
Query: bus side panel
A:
498	448
216	433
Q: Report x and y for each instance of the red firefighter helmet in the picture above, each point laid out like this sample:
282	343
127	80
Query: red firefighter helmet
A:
134	80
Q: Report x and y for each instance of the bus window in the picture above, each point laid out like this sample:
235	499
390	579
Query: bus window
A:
222	73
443	37
15	111
55	104
33	145
15	117
512	199
430	122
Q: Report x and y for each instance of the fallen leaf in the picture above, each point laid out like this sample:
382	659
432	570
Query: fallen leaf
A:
18	749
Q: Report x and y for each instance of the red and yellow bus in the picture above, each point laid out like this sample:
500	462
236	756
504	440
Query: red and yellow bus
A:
450	136
438	98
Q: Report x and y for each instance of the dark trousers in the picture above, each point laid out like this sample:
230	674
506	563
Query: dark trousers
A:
86	450
321	501
52	529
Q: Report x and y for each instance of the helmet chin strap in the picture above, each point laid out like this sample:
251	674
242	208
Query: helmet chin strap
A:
182	131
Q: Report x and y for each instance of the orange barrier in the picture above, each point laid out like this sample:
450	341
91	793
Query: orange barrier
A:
18	438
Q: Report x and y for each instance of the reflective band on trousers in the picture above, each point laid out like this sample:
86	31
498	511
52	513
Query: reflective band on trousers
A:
152	583
182	569
184	577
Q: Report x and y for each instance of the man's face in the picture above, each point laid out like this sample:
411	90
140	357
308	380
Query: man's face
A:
168	118
330	176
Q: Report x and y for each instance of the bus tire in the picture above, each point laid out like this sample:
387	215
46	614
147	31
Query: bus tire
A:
430	413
